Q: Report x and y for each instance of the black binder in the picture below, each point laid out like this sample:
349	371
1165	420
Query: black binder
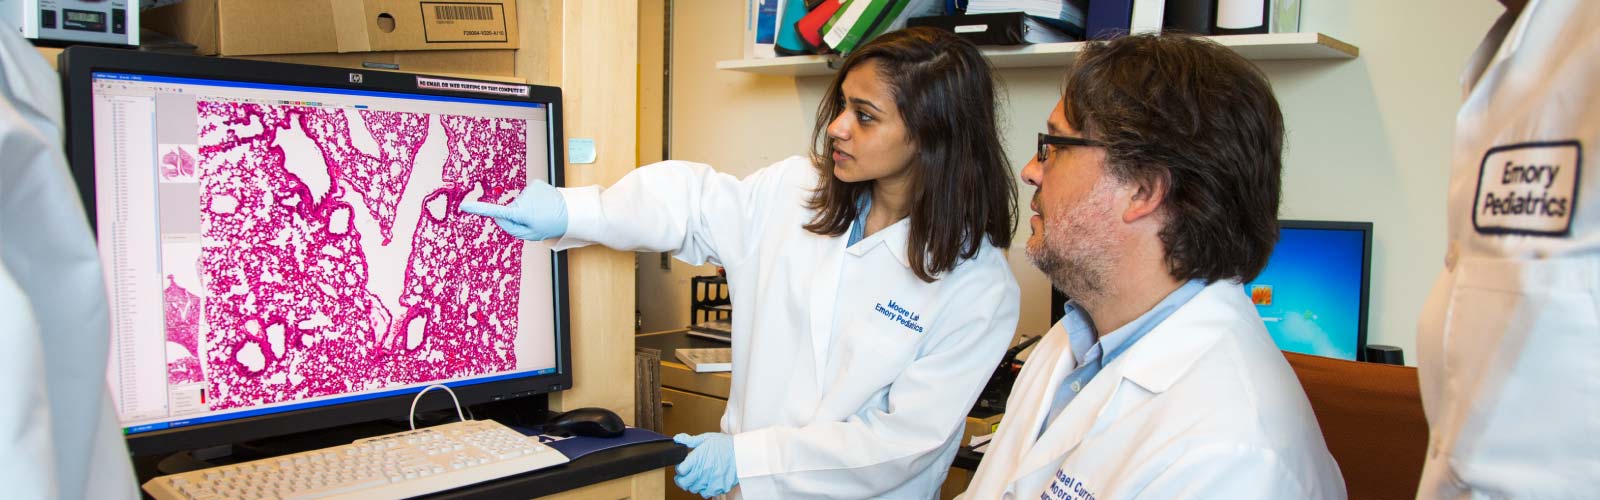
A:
1005	28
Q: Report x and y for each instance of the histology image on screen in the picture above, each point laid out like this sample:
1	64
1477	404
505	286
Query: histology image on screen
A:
332	257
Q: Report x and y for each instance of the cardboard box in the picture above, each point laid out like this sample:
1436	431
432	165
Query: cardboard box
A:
254	27
484	64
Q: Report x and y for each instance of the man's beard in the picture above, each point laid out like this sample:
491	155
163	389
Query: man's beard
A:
1075	248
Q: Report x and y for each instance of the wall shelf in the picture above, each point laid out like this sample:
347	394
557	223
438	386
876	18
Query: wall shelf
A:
1263	47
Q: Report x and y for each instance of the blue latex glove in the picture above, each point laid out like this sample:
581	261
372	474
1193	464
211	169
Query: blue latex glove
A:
709	470
539	213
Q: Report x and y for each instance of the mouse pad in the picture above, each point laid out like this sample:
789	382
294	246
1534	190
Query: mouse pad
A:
577	446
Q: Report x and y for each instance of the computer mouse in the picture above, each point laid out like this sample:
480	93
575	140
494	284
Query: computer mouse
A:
594	422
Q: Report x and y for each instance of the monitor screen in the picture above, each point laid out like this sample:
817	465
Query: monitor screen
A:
1313	293
276	244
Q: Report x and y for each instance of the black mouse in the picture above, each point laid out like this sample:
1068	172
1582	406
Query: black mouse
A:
594	422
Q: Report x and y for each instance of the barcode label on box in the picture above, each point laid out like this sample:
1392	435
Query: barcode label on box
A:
463	12
454	22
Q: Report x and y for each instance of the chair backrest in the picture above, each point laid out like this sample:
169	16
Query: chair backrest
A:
1371	417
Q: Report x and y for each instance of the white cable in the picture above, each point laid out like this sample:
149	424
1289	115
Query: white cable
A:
425	390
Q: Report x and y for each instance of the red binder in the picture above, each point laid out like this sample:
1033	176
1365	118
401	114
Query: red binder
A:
810	27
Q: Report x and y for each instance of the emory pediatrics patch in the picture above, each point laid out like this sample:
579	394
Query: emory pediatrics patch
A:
1529	188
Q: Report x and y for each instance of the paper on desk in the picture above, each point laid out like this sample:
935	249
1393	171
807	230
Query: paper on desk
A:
977	440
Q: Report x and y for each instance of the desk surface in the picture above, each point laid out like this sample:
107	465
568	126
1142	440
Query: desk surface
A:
672	340
594	468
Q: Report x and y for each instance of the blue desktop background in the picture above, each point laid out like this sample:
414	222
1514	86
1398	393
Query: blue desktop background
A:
1315	275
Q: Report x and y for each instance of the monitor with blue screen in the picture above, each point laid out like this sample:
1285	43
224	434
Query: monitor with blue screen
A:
1313	293
283	249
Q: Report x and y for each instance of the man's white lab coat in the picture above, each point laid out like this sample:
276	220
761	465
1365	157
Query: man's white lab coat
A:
1204	406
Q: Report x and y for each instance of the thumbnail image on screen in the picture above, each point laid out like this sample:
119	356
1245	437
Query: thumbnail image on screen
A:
1310	293
273	247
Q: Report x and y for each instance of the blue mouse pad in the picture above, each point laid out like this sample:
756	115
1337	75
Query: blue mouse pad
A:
577	446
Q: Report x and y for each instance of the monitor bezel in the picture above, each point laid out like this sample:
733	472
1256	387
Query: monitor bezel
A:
77	65
1366	266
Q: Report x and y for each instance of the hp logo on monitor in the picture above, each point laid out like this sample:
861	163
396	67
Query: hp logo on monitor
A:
355	78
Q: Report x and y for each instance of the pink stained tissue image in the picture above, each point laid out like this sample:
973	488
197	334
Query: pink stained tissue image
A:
177	163
293	310
183	329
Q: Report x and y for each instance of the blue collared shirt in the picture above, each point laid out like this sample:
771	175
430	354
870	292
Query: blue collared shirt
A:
1091	356
859	229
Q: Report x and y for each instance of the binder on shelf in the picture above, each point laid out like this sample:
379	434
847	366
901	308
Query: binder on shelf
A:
915	9
858	21
716	359
761	30
1007	28
1285	16
1147	16
1064	15
1189	16
1108	19
789	42
1241	17
810	27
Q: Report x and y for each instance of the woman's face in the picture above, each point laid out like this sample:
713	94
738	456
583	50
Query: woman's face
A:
870	141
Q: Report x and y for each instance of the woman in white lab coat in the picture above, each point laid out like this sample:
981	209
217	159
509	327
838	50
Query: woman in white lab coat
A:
1508	341
871	297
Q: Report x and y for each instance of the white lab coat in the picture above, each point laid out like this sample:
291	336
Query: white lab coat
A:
59	436
851	377
1204	406
1508	345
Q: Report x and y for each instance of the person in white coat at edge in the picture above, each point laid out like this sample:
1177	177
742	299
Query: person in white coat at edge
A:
1158	190
871	297
1508	345
59	436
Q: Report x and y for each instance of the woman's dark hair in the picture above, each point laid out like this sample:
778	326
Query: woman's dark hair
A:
961	185
1199	115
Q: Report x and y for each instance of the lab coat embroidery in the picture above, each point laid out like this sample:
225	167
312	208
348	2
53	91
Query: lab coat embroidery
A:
1529	188
899	314
1065	487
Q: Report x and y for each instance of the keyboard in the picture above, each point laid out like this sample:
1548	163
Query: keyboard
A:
400	465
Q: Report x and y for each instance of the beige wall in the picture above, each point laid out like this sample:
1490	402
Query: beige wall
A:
1369	138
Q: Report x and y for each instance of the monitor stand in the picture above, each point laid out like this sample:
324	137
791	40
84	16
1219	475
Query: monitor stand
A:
185	461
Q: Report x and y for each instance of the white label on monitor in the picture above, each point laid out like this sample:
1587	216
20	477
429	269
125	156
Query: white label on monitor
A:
1528	188
471	86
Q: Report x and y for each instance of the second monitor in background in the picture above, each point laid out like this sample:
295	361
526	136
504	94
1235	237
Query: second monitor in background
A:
1313	293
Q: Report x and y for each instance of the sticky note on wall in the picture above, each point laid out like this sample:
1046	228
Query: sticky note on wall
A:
580	150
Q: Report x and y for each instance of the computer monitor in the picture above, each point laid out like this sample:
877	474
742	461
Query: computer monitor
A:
283	248
1313	293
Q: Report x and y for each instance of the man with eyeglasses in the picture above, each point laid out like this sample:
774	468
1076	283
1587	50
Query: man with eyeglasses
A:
1158	186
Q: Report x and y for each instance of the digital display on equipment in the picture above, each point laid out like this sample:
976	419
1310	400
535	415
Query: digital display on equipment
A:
83	20
270	247
85	17
1312	293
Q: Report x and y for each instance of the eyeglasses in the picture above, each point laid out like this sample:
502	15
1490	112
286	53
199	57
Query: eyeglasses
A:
1056	140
